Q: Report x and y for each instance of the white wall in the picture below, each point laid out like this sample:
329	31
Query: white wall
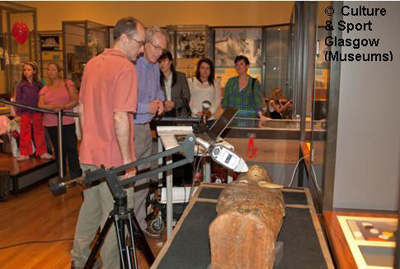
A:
367	160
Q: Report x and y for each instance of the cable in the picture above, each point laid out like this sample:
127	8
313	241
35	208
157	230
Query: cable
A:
196	169
193	174
313	176
36	242
319	190
193	181
184	204
295	169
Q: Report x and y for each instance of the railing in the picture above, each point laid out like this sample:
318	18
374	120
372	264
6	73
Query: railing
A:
62	113
59	115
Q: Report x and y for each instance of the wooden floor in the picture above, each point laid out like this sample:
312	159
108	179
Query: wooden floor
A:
37	229
9	163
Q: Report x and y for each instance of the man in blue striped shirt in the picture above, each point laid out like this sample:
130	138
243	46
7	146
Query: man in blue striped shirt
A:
150	103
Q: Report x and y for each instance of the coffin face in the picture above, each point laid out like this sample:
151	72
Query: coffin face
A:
250	216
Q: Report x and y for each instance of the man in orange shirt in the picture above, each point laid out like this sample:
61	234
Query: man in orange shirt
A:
107	100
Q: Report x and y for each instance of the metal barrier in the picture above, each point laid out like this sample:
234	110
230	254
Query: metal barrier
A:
62	113
59	115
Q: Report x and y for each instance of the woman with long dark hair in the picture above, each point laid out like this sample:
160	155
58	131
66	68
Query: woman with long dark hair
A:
175	87
204	87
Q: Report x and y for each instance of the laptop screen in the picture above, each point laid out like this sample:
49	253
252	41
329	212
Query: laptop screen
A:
222	122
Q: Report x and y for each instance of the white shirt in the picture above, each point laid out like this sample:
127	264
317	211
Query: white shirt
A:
168	84
200	92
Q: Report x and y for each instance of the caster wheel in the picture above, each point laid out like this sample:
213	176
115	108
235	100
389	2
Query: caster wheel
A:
156	225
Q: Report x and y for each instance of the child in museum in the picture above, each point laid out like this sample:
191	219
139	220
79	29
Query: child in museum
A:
28	94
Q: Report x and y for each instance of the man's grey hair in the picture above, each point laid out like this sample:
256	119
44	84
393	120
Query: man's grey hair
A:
151	31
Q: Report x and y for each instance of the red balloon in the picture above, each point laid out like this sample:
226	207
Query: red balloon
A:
20	32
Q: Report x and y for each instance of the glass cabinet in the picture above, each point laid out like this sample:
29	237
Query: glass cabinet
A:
51	50
188	44
18	43
82	40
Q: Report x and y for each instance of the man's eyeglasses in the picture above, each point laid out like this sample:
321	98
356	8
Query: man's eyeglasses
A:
158	48
140	43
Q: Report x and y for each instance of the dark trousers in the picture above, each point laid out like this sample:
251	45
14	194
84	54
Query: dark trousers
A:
70	150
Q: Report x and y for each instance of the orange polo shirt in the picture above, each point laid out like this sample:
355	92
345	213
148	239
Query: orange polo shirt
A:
109	84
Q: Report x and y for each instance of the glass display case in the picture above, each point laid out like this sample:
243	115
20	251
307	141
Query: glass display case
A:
266	47
18	43
320	98
188	44
234	41
278	129
82	40
51	50
277	46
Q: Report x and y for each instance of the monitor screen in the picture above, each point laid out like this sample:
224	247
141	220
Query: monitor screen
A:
222	122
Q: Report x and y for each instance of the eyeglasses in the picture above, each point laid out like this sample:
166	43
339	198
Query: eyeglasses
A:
140	43
158	48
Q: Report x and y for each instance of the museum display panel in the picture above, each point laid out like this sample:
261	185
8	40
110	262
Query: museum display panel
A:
50	50
188	44
231	42
82	40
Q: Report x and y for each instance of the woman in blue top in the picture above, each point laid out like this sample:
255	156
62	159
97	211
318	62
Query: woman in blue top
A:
244	92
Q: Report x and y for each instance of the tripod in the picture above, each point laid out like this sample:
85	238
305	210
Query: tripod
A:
120	216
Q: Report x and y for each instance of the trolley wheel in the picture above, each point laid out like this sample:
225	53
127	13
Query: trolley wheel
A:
156	225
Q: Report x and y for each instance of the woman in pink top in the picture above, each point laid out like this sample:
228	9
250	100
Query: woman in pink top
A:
61	94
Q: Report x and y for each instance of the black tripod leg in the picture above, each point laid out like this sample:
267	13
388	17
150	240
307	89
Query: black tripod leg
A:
131	232
139	235
92	258
123	251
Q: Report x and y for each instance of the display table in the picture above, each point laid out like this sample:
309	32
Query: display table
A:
304	243
167	140
352	243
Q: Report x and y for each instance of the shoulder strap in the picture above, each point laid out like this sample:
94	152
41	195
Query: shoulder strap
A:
253	84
